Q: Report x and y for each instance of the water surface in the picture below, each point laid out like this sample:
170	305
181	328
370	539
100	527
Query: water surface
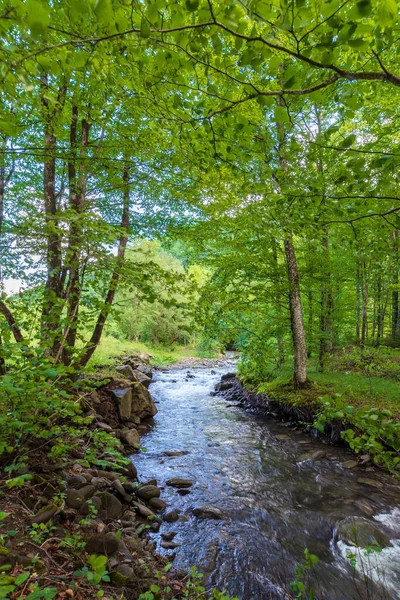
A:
276	500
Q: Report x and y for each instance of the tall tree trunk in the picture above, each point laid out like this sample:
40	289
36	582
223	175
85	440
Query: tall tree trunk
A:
295	305
52	298
395	291
279	338
98	330
379	309
365	298
310	322
296	317
51	309
5	178
326	318
77	188
358	304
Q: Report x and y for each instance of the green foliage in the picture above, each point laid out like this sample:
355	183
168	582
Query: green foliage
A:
193	589
39	532
301	585
372	431
97	571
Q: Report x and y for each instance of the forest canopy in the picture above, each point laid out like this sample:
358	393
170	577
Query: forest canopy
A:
262	135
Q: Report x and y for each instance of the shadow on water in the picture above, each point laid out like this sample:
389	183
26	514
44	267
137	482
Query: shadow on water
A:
276	499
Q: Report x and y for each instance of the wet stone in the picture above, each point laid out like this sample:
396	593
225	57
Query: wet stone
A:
171	516
350	464
179	482
208	512
147	492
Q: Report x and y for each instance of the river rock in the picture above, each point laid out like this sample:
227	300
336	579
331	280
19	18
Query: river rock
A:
171	516
364	506
142	402
100	483
106	543
176	453
130	488
145	512
146	370
122	575
147	492
86	507
370	482
228	376
179	482
131	470
118	487
142	378
131	437
75	498
111	507
208	512
76	481
184	491
224	385
350	464
44	515
318	455
168	536
158	504
105	474
169	545
152	481
104	426
123	401
357	531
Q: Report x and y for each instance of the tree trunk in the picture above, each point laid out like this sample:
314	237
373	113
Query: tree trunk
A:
77	189
310	323
98	330
395	292
365	291
279	338
296	317
358	305
52	300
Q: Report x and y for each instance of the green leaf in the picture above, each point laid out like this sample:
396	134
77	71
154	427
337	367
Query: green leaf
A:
348	141
145	30
192	5
37	16
104	12
387	12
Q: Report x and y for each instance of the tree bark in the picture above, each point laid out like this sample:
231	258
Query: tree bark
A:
358	305
279	338
395	292
296	317
365	298
98	330
77	188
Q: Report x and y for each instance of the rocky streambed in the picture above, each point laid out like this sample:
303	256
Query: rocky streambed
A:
247	493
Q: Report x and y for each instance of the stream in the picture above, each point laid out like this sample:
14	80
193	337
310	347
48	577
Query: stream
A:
276	500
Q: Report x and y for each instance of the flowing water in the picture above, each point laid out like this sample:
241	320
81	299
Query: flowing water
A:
276	500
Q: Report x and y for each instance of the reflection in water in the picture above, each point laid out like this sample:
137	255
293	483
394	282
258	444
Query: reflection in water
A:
275	498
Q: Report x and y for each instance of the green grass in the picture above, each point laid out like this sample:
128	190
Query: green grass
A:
359	389
110	348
